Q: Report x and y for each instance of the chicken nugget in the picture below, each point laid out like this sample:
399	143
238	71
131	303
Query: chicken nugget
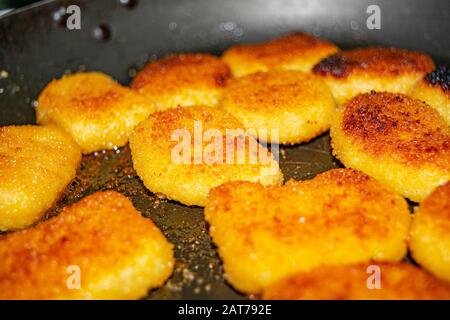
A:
184	152
98	112
298	105
402	142
266	233
434	89
361	70
97	248
36	165
430	233
183	80
396	281
297	51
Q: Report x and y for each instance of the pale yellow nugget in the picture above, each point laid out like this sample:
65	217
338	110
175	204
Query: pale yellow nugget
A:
94	109
36	165
97	248
434	89
266	233
402	142
430	233
294	105
174	153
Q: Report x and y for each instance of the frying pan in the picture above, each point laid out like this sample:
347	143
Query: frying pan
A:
119	37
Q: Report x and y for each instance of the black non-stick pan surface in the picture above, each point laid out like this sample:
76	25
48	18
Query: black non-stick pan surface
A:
118	37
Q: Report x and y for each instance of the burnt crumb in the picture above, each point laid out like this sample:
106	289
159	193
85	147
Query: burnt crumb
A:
439	77
399	99
367	120
222	78
335	65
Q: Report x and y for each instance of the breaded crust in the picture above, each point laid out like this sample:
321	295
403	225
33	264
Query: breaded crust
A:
342	216
297	105
400	141
398	281
434	89
430	233
165	165
361	70
36	165
183	80
297	51
98	112
116	253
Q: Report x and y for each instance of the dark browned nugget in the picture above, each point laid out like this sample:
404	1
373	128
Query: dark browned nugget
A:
402	142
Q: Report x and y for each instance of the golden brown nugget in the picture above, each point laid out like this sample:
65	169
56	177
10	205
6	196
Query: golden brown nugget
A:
97	248
400	141
430	233
351	72
174	153
342	216
398	281
298	105
98	112
297	51
434	89
183	80
36	165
